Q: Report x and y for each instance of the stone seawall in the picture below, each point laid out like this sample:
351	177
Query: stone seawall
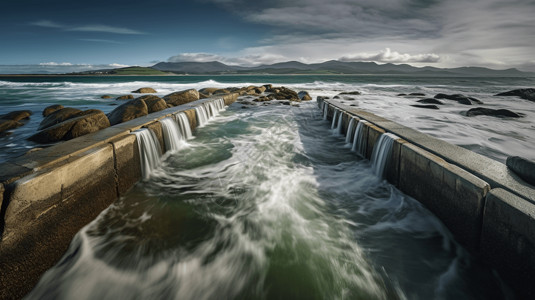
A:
489	209
47	196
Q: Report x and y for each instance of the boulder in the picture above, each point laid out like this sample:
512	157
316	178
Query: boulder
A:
106	97
268	86
8	124
286	94
154	103
144	90
262	99
528	94
428	106
52	108
203	96
462	99
431	101
303	95
128	111
221	92
208	91
125	97
524	168
16	115
350	93
59	116
479	111
87	122
182	97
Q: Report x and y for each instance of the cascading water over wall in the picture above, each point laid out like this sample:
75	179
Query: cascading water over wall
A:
359	141
381	153
350	128
173	139
183	125
208	110
335	118
149	151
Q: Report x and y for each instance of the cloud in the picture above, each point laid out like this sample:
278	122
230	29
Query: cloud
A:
390	56
87	28
55	64
105	28
46	23
100	41
240	59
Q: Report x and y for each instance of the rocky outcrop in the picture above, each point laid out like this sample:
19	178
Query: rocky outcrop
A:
182	97
431	101
106	97
125	97
59	116
480	111
52	108
128	111
524	168
304	96
208	91
88	121
285	94
17	115
145	90
428	106
154	103
528	94
462	99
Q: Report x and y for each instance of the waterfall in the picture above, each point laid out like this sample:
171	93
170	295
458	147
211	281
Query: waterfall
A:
359	143
325	110
149	151
208	110
334	119
220	104
350	128
381	153
202	116
339	127
171	134
184	126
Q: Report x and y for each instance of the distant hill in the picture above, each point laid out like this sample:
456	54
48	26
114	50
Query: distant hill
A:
295	67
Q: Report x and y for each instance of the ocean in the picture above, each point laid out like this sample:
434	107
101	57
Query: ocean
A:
497	138
268	202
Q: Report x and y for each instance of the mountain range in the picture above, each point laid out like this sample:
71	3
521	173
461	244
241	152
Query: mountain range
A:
325	68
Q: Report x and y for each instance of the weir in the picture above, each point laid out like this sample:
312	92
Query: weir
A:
47	196
490	210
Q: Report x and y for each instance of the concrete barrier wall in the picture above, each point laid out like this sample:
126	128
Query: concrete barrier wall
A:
47	196
454	183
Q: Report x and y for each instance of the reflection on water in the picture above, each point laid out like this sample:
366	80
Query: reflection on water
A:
266	203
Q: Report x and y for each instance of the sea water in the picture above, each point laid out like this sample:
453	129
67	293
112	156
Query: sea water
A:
496	138
267	203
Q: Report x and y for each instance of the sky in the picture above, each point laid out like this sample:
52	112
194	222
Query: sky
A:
61	35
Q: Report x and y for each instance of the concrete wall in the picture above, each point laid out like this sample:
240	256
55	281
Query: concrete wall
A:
454	183
47	196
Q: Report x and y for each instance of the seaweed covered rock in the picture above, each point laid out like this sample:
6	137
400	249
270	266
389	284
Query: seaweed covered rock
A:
528	94
462	99
128	111
182	97
145	90
524	168
52	108
480	111
88	121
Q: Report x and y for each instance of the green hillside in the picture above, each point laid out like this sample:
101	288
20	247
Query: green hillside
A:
136	71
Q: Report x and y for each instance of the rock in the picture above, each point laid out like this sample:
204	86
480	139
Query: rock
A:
262	99
87	122
336	97
528	94
154	103
125	97
182	97
16	115
128	111
268	87
303	95
208	91
145	90
221	92
52	108
401	95
285	102
417	94
429	106
8	124
260	89
59	116
106	97
430	101
286	94
478	111
462	99
243	106
350	93
524	168
203	96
